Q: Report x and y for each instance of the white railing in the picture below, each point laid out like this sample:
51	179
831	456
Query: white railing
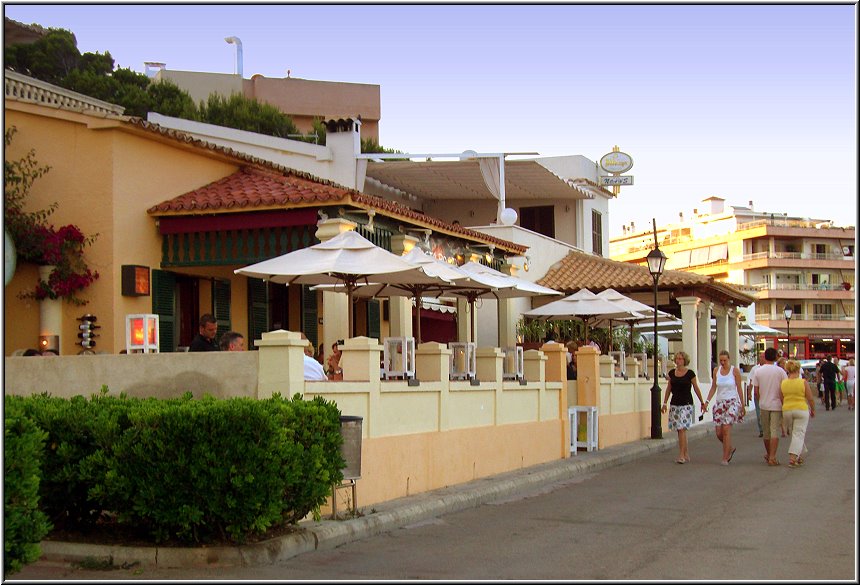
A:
795	256
27	89
805	317
797	286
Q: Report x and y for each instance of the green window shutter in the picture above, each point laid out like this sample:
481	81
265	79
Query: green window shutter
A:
373	319
221	306
309	314
164	305
258	310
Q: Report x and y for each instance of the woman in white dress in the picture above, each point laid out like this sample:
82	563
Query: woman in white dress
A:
728	404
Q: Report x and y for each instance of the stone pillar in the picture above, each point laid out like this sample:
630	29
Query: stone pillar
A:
587	376
400	308
432	362
489	364
281	364
534	366
335	305
689	329
556	361
734	338
464	316
507	323
722	330
361	359
703	365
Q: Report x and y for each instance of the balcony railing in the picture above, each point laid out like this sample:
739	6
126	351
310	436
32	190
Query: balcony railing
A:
804	317
795	256
27	89
796	286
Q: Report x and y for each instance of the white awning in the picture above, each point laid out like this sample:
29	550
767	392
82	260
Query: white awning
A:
524	179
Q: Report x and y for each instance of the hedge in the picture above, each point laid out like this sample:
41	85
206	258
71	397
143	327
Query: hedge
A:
186	469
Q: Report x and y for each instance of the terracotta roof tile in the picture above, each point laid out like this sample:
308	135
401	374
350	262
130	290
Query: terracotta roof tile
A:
579	270
252	188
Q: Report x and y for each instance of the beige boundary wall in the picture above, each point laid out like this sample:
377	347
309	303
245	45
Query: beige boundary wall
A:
414	438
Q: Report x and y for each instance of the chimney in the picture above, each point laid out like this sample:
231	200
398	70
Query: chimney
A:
681	216
695	211
751	205
152	68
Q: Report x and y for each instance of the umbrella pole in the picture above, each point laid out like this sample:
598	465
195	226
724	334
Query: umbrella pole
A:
416	324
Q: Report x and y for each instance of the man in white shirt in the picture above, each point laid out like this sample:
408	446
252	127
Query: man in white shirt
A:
767	380
313	369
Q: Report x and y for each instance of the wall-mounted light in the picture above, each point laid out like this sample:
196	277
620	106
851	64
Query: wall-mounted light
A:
135	280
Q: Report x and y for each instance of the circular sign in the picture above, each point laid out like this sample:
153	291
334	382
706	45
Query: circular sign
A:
616	162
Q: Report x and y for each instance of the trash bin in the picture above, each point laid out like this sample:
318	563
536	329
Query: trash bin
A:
350	450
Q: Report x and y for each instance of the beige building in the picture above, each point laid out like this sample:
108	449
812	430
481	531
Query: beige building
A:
188	212
304	100
806	264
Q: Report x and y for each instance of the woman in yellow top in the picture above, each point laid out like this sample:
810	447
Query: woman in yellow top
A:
798	406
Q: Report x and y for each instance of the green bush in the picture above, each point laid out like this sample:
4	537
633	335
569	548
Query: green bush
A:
195	469
186	469
24	524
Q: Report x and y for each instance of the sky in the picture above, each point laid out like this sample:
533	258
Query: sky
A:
745	102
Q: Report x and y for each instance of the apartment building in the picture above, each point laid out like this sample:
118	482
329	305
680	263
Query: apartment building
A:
783	261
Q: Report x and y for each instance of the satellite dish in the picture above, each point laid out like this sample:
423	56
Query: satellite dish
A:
10	257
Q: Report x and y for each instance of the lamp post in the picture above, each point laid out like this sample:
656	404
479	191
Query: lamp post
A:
788	311
656	263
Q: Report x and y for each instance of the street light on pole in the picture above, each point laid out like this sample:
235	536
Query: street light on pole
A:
788	311
656	263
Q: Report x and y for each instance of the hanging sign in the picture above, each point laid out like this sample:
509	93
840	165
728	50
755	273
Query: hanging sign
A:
616	162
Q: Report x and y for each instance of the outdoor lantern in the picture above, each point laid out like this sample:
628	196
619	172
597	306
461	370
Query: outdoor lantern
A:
463	360
141	333
656	263
788	311
398	357
512	368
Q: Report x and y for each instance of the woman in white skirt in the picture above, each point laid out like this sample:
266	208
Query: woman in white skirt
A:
681	382
728	404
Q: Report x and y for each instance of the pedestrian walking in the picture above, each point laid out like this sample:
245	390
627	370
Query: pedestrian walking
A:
681	383
849	375
728	404
798	406
752	396
830	374
766	381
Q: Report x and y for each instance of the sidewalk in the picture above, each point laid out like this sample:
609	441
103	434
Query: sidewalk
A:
379	518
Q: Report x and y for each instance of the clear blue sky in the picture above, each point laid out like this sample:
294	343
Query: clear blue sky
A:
739	101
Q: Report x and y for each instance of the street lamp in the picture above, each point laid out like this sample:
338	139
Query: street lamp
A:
656	263
788	311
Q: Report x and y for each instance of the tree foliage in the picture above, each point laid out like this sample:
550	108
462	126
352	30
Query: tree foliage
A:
55	58
18	177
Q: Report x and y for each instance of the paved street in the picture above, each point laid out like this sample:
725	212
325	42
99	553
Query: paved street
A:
646	519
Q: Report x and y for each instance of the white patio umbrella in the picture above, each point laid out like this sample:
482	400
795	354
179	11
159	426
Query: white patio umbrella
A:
347	259
646	312
506	287
449	278
583	305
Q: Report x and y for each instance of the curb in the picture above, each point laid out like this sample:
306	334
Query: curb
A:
329	534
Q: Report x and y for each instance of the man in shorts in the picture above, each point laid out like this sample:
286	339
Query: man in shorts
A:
767	380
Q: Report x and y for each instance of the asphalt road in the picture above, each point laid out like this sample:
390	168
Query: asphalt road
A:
647	519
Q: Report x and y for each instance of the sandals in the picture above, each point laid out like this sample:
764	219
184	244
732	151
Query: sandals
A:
680	461
793	464
773	463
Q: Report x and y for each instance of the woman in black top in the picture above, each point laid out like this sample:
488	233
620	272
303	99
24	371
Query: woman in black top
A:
681	382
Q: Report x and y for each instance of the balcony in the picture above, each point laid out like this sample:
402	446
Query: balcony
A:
765	317
801	287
